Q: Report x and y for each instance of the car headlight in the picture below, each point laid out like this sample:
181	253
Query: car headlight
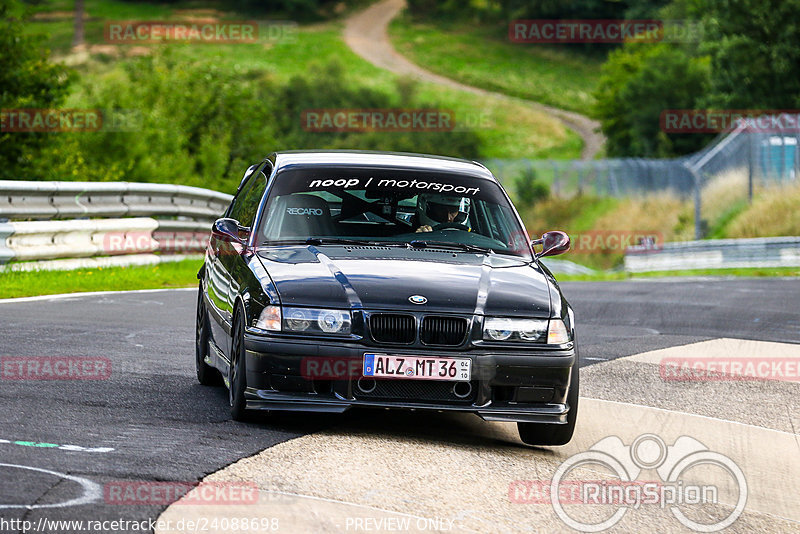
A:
552	332
502	329
313	320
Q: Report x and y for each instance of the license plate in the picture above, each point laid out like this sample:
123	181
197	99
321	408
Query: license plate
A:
417	367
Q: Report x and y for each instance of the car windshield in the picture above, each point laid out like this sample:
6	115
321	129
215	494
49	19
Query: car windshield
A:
391	207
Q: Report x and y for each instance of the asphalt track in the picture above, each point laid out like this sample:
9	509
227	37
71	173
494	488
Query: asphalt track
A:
151	421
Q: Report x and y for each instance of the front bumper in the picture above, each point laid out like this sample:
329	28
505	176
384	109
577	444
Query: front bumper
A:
525	386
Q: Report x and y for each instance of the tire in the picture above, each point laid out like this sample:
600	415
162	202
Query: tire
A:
550	434
238	374
206	375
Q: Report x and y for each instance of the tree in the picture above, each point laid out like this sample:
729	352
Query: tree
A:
637	84
529	189
27	80
754	52
77	35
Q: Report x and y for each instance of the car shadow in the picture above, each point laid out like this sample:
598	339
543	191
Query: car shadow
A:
448	428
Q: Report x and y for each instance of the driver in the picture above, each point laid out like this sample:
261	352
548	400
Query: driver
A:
434	209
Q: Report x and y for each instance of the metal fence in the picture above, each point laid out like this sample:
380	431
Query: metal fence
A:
605	177
742	157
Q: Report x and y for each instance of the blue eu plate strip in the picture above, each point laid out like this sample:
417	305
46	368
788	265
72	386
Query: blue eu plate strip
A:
369	365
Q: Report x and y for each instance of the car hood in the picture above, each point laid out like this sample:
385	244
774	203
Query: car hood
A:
384	278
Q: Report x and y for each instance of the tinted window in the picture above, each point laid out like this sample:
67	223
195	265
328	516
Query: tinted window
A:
246	203
398	206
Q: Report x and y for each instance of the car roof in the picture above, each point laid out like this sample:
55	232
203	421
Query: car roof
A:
374	159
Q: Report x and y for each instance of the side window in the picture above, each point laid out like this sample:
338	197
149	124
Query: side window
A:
245	205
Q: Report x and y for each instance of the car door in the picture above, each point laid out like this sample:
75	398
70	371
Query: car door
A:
230	260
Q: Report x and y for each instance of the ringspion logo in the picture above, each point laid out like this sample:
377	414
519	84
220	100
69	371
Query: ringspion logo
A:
692	481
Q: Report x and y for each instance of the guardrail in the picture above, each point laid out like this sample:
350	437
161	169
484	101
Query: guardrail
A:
112	223
716	254
34	241
23	200
5	253
562	266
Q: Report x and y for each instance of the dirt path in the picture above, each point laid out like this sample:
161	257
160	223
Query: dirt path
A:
366	34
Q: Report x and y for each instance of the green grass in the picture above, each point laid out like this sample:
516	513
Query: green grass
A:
165	275
755	272
506	130
183	274
483	57
60	28
720	227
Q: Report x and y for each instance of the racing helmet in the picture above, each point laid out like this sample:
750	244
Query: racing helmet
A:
433	208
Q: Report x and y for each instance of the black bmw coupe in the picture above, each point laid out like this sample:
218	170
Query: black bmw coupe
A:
385	280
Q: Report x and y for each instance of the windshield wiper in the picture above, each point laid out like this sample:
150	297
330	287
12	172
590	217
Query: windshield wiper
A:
417	243
348	241
318	241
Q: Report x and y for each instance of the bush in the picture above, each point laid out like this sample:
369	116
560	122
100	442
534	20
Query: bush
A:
507	10
304	10
754	53
529	190
200	124
197	124
27	80
637	84
327	87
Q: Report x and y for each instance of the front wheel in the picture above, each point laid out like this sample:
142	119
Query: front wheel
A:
548	433
206	375
237	373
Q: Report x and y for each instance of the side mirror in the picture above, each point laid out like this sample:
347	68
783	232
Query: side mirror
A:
229	231
553	243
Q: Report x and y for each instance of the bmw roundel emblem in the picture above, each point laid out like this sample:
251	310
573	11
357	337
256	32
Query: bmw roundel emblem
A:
417	299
